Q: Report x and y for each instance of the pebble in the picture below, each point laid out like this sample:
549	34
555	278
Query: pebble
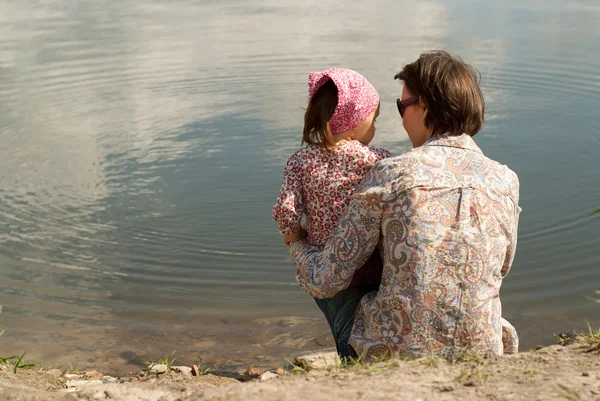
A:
182	369
109	379
158	369
93	373
268	376
586	374
253	371
54	372
79	384
280	372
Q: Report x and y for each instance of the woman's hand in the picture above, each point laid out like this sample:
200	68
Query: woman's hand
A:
295	236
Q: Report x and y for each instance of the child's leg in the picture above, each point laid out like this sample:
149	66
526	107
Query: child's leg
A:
339	312
370	273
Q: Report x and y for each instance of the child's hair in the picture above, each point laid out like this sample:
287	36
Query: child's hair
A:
318	113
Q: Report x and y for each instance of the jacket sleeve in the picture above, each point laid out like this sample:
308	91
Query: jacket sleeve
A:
512	245
323	272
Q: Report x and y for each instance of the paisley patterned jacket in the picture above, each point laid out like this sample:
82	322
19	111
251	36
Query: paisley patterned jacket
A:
445	219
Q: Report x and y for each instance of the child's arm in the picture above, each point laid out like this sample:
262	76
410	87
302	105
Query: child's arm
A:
295	236
287	210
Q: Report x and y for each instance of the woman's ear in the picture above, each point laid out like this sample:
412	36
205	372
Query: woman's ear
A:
422	104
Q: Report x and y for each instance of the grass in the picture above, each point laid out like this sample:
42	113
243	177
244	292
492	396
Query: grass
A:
167	361
296	369
569	393
531	372
472	376
202	370
564	338
475	372
590	341
596	300
431	361
70	370
17	362
376	365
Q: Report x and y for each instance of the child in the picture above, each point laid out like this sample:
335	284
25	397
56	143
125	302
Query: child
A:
319	179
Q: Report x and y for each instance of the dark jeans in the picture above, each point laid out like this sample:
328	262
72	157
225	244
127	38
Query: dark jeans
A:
339	312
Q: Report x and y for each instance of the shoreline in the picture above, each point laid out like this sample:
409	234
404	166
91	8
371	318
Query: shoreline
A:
266	342
569	371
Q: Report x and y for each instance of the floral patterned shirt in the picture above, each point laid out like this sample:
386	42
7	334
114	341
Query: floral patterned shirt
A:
445	217
318	184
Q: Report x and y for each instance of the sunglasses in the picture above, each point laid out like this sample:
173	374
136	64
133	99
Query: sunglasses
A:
404	103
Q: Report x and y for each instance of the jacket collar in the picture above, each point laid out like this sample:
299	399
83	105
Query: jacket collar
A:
463	141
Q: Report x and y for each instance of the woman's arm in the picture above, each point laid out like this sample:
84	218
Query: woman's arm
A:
512	245
323	272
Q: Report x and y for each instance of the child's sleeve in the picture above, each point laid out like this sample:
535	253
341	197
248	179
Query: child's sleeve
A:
287	210
381	152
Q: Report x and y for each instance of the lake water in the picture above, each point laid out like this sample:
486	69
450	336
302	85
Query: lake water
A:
142	145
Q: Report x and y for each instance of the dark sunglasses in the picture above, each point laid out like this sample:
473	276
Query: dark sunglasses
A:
404	103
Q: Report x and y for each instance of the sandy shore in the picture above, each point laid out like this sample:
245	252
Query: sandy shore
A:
558	372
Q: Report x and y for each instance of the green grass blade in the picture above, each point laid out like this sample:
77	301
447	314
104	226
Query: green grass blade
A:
18	364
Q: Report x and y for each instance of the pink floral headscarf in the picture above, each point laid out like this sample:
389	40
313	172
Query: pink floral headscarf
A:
357	98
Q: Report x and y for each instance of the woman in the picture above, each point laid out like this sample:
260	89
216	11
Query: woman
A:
444	218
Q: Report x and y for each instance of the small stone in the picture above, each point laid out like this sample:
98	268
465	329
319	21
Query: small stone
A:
195	371
268	376
100	395
318	361
182	369
109	379
539	347
253	371
54	372
93	373
280	372
79	384
586	374
158	369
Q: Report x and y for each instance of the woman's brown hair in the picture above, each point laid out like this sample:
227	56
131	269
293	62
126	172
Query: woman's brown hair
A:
319	111
449	89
